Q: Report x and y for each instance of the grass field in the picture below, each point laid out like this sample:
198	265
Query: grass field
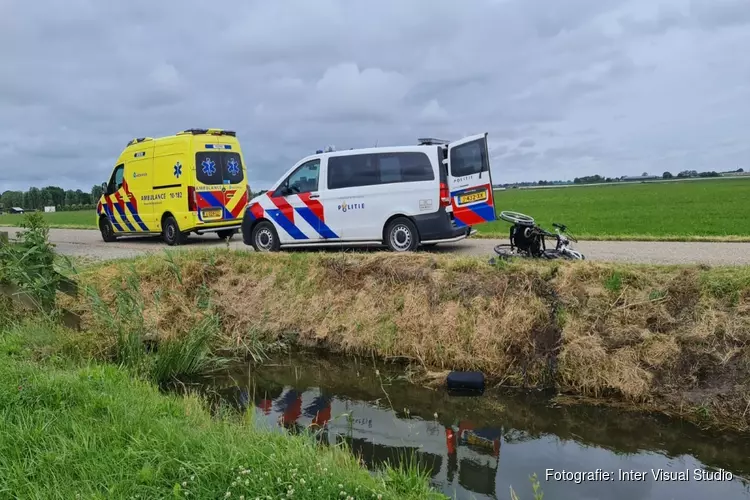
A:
82	219
711	210
705	210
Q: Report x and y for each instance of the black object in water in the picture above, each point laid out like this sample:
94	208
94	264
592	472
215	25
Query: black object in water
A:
465	382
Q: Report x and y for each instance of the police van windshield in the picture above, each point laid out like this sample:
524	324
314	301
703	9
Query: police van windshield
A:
218	167
469	159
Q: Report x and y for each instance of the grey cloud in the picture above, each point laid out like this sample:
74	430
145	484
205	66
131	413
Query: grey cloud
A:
720	13
599	86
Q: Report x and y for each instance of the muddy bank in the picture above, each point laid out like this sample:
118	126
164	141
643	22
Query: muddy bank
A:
672	339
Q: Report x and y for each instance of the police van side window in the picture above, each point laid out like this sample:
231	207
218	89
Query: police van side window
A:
352	171
379	168
302	180
413	167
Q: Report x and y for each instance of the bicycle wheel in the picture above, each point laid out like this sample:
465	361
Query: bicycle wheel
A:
504	252
516	218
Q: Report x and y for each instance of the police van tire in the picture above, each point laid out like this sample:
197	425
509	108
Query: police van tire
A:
108	233
401	235
171	232
265	238
226	233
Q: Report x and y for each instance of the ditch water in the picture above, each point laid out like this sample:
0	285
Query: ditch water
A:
477	447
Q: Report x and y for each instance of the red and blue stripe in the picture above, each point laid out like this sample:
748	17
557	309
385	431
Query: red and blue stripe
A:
212	199
284	216
476	213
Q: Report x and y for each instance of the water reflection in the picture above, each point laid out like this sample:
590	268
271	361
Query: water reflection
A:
460	441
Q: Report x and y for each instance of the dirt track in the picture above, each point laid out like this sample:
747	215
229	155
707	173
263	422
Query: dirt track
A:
88	243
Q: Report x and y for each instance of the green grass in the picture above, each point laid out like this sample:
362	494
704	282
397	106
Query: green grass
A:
82	219
691	210
95	431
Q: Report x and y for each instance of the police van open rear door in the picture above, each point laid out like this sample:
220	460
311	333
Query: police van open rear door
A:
470	181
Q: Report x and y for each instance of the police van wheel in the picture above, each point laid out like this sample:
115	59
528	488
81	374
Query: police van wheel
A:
265	238
401	235
108	233
171	232
227	233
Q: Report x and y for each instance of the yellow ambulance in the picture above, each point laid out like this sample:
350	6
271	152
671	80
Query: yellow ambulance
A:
191	182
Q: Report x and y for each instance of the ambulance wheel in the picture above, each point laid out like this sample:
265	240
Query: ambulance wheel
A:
265	238
171	232
227	233
401	235
108	233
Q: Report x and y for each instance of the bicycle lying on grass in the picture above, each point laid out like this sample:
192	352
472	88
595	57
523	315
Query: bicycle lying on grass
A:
527	239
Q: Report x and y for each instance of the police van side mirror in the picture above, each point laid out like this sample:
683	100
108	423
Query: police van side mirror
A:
104	187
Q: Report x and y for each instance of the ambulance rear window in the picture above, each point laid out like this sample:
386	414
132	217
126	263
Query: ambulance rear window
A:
219	167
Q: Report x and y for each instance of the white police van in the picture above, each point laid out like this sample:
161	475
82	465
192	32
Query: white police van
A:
400	197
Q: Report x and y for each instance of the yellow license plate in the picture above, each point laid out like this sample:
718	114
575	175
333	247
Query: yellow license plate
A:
472	197
212	214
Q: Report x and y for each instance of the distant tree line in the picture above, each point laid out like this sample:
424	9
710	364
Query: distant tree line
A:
598	179
51	196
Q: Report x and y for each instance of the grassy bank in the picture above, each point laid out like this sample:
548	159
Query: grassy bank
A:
673	339
81	415
711	210
71	430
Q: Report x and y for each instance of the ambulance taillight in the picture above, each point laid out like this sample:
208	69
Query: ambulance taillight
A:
192	203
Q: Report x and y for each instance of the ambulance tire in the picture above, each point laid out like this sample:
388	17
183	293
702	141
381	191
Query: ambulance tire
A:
401	235
108	233
265	238
171	232
227	233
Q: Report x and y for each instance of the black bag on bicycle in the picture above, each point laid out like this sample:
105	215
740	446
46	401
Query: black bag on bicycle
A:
525	239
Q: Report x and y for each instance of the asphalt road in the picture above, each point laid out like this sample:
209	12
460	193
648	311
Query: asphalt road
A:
88	244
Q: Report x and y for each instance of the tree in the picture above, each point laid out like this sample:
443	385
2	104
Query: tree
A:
82	198
33	199
53	195
644	174
12	199
667	175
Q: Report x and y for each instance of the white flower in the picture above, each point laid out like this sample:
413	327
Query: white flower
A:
192	478
227	494
184	484
302	480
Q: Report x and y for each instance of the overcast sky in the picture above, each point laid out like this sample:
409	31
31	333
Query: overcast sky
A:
564	88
